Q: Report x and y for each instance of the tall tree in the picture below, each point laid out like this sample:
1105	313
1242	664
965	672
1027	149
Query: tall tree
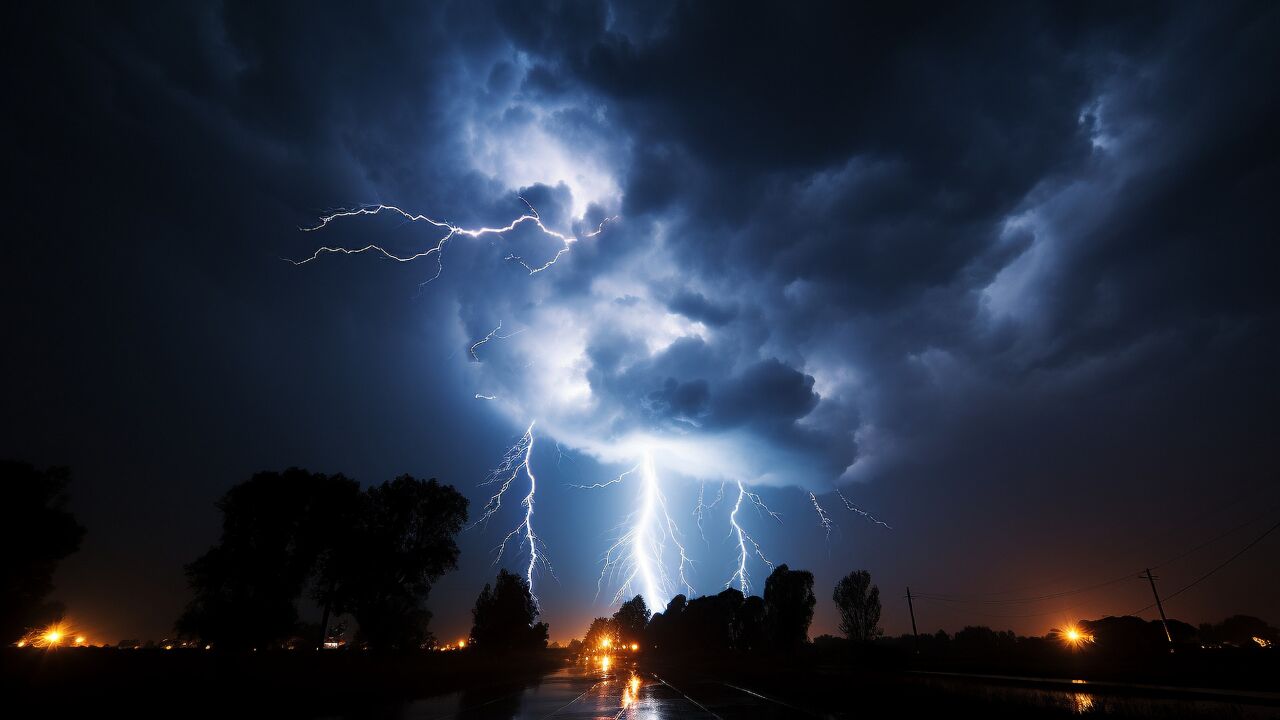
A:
789	603
631	619
402	541
504	617
603	630
37	533
275	526
859	604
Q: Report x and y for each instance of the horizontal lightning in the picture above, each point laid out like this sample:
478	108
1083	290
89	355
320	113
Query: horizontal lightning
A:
451	231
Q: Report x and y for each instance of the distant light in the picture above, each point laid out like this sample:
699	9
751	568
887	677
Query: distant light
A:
462	644
22	643
79	639
52	636
1074	636
606	642
1262	642
635	646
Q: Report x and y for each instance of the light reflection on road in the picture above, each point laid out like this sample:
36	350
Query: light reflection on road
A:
596	687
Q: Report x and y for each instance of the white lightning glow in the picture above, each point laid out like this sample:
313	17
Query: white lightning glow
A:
452	230
823	517
636	560
740	575
853	508
515	461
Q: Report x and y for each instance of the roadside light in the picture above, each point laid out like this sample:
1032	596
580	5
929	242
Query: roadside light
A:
1074	637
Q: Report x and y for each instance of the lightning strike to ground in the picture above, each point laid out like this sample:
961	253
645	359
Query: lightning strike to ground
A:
740	575
637	557
452	231
516	460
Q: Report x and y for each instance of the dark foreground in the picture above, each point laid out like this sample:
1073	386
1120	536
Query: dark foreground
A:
553	685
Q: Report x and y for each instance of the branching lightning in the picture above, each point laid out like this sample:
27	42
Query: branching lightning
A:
860	511
492	335
515	461
637	557
823	517
701	508
740	575
532	216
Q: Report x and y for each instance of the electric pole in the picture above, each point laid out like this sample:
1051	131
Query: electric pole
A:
912	608
1163	620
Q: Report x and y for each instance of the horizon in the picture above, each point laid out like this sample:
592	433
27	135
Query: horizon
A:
978	299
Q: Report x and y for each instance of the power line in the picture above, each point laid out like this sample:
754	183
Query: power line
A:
977	599
1221	565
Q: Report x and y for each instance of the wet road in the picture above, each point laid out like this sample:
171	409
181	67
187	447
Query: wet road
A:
597	690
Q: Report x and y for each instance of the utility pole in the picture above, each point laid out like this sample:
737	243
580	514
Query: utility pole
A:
1163	620
912	608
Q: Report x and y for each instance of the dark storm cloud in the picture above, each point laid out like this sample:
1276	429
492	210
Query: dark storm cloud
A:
931	197
982	256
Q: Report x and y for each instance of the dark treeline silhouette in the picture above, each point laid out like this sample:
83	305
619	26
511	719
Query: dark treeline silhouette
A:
504	618
729	622
37	533
373	554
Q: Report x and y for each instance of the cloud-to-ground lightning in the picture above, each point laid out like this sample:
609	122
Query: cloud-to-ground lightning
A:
451	231
740	575
517	460
860	511
637	557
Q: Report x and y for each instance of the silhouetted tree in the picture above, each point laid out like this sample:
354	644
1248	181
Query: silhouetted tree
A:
859	604
1240	631
37	532
402	541
601	629
631	619
789	602
752	631
275	526
504	617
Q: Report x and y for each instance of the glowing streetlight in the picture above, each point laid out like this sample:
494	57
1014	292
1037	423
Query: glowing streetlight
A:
462	644
1074	637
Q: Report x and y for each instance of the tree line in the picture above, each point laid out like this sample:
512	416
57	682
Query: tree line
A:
730	622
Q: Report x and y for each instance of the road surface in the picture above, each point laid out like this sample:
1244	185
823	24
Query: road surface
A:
597	690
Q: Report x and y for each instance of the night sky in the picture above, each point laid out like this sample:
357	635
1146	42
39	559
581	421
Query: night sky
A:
1003	274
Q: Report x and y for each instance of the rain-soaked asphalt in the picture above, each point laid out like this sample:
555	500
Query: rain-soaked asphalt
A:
597	690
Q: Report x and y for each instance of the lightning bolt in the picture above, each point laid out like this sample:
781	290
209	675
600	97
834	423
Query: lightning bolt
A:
701	509
740	575
451	231
637	556
823	517
493	335
860	511
515	461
